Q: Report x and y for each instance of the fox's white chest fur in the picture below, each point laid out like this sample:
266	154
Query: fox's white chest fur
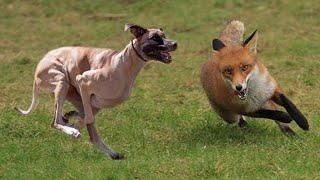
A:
260	90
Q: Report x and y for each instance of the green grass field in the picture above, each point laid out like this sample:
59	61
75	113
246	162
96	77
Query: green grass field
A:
166	129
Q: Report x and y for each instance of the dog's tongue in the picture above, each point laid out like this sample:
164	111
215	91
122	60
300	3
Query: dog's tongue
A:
166	55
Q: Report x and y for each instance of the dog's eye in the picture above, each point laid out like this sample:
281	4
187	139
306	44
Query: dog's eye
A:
244	67
157	39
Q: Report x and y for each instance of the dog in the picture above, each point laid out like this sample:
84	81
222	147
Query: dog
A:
96	78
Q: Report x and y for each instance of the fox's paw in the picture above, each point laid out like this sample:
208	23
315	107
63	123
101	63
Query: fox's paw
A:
242	123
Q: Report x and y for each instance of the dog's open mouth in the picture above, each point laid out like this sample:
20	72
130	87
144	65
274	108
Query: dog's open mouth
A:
159	52
165	57
243	94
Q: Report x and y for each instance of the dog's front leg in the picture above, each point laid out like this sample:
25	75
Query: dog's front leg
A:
84	82
96	140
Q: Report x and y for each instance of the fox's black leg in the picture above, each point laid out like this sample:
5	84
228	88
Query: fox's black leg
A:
298	117
271	114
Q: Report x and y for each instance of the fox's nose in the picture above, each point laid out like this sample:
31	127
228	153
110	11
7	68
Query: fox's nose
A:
239	87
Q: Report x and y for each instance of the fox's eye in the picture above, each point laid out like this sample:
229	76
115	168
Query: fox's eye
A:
244	67
228	71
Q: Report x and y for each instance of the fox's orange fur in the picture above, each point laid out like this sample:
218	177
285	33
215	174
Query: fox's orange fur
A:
237	83
220	92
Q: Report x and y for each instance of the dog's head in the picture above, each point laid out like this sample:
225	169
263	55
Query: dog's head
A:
152	43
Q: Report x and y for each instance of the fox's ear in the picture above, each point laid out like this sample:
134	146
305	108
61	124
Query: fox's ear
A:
251	42
136	30
217	45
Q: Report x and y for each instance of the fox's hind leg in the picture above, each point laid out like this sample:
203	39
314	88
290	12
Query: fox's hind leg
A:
269	111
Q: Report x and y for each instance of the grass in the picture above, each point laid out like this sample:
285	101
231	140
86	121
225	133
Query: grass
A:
166	129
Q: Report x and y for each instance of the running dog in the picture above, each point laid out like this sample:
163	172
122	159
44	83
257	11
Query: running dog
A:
96	78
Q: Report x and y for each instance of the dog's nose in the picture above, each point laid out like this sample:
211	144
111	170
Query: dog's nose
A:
239	87
174	45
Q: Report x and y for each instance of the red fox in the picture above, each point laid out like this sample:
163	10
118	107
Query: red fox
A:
237	84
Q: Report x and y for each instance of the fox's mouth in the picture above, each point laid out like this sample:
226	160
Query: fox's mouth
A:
242	94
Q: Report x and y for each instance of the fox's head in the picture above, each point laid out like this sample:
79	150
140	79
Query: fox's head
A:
236	63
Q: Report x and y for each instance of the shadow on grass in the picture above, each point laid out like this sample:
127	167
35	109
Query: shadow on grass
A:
222	133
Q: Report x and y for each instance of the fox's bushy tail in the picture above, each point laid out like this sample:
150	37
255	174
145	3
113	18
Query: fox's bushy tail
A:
35	95
233	33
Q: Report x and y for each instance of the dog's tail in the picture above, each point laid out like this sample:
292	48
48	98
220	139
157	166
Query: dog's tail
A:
233	33
34	102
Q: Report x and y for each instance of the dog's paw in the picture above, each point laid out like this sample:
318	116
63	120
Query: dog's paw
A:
76	134
117	156
72	131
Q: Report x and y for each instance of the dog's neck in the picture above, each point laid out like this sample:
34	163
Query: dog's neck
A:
129	60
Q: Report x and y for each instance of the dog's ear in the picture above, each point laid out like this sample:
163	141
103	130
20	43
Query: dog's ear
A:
251	42
136	30
217	45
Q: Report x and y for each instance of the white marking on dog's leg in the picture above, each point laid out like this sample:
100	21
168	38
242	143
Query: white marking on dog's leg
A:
68	130
60	94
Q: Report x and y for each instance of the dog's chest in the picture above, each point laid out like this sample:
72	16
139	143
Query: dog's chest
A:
99	102
111	99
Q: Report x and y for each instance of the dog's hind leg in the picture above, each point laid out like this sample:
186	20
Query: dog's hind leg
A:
75	99
60	93
96	140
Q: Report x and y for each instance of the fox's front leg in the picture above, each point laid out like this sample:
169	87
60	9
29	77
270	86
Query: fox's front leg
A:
281	99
